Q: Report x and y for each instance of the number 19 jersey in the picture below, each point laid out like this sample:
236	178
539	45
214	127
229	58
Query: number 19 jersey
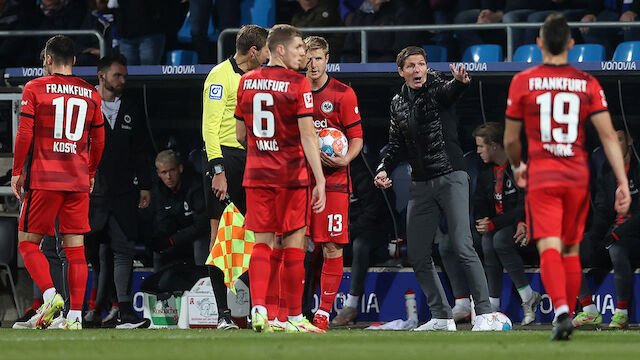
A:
270	101
58	117
555	102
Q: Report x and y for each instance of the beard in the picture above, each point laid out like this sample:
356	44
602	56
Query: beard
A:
116	90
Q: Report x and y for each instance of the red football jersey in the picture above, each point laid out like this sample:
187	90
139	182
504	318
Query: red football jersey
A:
555	102
336	106
270	101
59	115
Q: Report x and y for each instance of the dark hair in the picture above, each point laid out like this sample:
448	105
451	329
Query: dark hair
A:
408	51
555	33
61	49
281	34
105	62
491	133
251	35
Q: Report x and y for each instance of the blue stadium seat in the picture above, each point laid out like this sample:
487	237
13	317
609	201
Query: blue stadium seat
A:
587	52
435	53
184	34
627	51
483	53
182	57
258	12
528	54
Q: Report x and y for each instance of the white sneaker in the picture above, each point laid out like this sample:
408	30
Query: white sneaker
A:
461	313
58	322
494	321
437	325
529	308
29	324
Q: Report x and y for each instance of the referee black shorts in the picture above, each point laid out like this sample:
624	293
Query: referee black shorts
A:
233	160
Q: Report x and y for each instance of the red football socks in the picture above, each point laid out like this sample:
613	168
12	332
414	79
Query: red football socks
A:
36	263
259	272
573	274
283	309
273	290
292	275
330	282
76	276
553	277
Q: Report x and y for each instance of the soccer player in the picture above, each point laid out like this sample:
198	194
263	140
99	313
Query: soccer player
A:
61	128
225	155
552	102
335	106
274	121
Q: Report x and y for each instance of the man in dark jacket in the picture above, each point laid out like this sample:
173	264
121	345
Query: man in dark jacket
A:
122	181
182	226
423	132
617	233
499	213
610	10
100	19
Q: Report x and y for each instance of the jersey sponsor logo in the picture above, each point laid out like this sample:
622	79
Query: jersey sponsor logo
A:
308	100
326	107
356	110
215	92
24	102
64	147
329	293
320	124
334	234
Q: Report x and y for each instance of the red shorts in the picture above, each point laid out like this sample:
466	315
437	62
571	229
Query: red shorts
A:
557	212
277	210
41	207
331	225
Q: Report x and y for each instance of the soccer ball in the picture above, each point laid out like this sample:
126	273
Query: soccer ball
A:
499	322
332	141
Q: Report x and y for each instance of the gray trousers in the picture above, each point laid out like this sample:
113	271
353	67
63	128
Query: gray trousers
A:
499	251
449	193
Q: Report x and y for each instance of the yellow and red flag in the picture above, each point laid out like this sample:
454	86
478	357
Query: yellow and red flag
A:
232	249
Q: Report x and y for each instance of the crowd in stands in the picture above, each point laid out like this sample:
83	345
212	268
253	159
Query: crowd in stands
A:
144	30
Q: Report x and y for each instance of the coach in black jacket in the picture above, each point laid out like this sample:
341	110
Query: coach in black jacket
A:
122	180
423	131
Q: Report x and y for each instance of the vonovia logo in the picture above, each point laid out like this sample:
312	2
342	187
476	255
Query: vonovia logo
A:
215	92
327	107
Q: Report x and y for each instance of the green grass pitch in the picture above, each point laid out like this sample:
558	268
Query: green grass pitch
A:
112	344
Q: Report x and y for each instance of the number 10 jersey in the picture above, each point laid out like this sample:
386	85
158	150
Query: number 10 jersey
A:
270	101
555	102
58	117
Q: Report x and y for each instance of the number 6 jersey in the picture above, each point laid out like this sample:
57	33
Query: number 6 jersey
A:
59	118
555	102
270	101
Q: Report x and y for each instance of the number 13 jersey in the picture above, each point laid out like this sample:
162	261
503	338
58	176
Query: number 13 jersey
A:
270	101
555	102
59	114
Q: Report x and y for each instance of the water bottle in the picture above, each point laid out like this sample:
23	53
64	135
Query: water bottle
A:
411	305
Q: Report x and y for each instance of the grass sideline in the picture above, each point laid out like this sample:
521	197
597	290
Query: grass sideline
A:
112	344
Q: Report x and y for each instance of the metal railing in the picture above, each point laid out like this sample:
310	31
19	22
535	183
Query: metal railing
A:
364	30
34	33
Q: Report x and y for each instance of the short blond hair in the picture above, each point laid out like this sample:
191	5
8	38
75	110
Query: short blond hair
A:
317	42
281	34
167	157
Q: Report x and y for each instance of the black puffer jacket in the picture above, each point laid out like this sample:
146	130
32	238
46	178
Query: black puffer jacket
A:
423	131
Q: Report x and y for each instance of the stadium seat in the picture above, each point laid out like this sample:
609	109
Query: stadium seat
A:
435	53
184	34
528	54
587	52
258	12
182	57
483	53
627	51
